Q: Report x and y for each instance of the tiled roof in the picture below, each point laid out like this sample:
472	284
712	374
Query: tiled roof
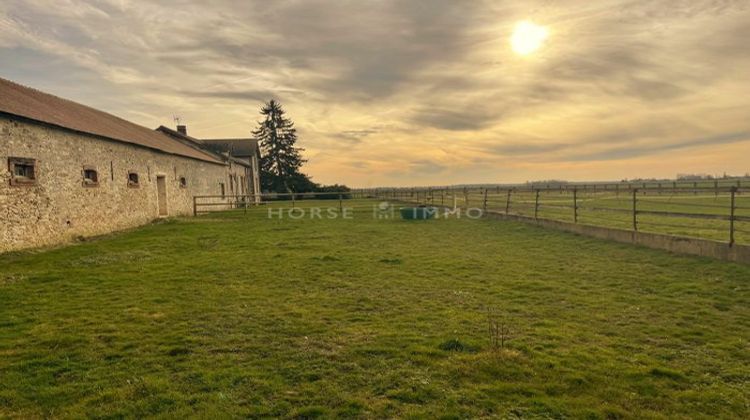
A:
32	104
235	147
198	144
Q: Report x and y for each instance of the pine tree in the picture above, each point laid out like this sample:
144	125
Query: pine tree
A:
280	158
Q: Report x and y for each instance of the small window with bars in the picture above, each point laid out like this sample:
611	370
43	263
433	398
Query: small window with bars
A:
133	180
90	176
22	170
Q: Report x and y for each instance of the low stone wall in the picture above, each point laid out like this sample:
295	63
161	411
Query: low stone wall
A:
676	244
60	208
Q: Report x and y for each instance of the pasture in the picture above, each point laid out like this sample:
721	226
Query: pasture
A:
701	213
234	314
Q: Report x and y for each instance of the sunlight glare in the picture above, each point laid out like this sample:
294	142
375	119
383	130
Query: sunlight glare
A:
528	37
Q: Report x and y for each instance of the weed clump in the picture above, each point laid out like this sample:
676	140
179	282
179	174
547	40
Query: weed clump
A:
666	373
498	329
178	351
457	346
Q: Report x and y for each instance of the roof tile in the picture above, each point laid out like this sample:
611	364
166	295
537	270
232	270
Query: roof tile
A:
35	105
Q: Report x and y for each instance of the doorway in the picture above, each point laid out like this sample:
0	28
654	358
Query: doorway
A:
161	189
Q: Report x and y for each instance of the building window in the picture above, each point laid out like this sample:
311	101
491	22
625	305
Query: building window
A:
22	171
223	193
90	176
183	182
133	180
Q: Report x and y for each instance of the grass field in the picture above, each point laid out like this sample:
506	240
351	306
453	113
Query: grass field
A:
237	315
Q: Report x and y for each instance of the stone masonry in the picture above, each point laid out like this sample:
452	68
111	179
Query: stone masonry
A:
60	207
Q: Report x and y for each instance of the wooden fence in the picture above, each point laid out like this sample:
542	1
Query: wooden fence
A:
208	203
716	212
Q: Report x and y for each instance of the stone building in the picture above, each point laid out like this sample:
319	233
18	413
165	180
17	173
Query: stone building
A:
244	151
74	171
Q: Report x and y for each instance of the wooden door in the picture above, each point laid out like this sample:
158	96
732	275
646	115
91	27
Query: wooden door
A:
161	189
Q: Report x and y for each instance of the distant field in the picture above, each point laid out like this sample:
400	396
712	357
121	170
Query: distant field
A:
233	314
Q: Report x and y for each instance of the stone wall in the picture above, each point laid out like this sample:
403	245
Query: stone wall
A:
60	208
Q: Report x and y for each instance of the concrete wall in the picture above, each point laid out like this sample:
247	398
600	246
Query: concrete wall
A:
59	208
676	244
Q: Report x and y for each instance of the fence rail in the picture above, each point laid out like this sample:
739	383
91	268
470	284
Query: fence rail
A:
208	203
720	213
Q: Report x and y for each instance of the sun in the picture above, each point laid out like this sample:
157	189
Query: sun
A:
528	37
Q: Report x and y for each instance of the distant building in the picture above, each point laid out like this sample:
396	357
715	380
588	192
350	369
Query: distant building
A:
240	151
74	171
246	150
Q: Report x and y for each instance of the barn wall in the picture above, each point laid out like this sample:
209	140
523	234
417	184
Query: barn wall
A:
59	208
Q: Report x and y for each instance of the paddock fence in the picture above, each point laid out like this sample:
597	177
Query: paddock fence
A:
707	219
203	204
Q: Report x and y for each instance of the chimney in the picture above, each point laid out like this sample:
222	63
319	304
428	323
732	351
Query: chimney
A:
182	129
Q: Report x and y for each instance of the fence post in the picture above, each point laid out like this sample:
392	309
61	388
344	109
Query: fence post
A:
442	197
484	205
575	204
195	206
507	202
292	200
635	209
536	206
732	216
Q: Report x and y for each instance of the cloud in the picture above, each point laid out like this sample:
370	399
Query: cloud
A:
463	119
355	136
242	95
383	88
426	167
647	149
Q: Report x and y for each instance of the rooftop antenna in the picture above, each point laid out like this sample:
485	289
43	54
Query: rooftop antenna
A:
181	128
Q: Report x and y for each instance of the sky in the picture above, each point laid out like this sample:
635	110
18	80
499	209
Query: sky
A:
407	92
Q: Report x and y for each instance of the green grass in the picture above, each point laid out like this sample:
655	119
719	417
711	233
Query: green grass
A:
237	315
